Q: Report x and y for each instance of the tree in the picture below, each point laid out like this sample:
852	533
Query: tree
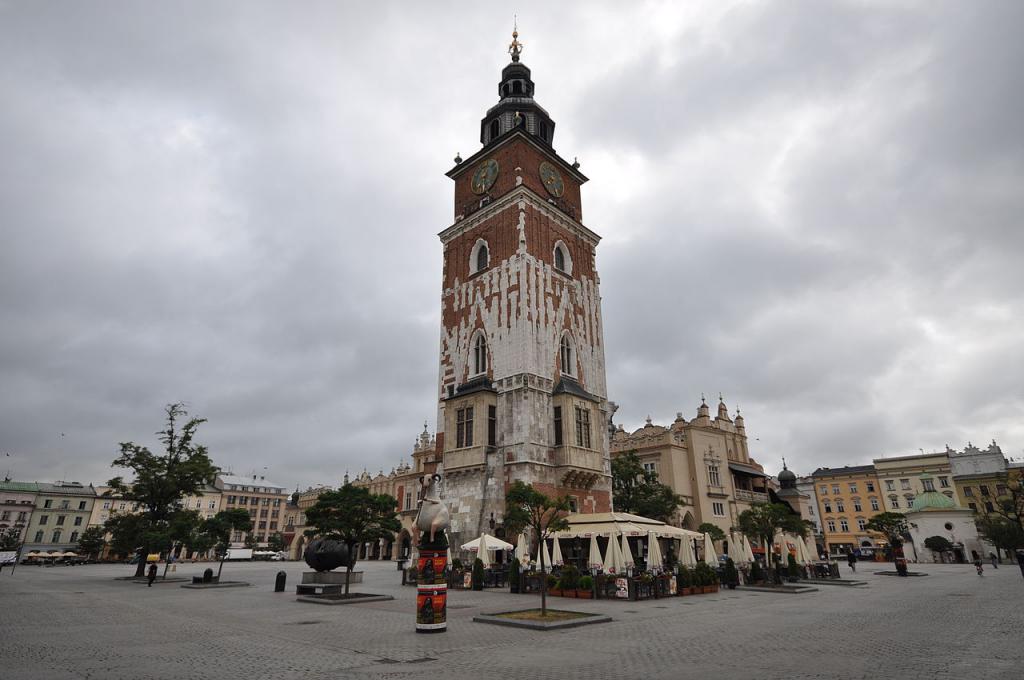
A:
712	530
353	516
276	542
251	542
893	526
527	508
220	527
162	481
1003	525
939	544
764	520
638	491
1002	532
92	541
10	538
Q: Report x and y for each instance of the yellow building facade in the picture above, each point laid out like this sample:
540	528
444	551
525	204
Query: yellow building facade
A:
847	498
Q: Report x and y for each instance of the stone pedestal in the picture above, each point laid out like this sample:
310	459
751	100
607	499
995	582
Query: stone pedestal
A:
331	577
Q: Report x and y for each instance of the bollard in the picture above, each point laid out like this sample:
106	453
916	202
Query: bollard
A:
208	576
279	583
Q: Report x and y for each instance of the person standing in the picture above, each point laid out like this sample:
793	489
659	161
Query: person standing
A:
851	559
994	560
977	565
151	575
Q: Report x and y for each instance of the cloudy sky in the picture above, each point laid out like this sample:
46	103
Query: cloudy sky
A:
813	208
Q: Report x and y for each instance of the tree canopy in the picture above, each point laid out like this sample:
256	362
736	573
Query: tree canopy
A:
353	516
160	482
638	491
938	543
218	529
91	541
527	508
763	521
712	530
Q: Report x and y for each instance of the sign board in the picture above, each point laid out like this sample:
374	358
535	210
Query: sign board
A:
622	588
8	556
239	554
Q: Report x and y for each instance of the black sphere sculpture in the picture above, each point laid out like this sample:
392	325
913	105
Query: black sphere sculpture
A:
324	555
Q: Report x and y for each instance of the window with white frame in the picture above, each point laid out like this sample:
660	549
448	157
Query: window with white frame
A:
831	524
561	258
856	504
871	487
479	257
479	354
824	489
840	507
944	482
843	524
853	487
894	502
566	355
874	504
718	509
835	489
651	467
889	485
828	506
905	484
714	477
860	523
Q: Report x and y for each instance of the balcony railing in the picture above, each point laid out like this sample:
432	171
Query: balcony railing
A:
751	496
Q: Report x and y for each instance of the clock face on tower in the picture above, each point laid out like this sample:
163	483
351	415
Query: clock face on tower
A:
484	176
552	180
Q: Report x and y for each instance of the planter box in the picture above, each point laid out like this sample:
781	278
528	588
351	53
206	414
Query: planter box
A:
585	594
554	592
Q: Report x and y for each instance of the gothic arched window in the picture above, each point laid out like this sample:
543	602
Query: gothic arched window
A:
559	260
479	354
565	354
481	258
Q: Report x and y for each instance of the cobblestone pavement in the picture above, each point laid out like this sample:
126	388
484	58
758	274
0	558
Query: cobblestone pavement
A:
80	622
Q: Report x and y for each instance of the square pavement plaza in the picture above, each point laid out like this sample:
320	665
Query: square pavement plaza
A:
80	622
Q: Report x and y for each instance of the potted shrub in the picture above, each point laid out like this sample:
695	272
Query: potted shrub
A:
792	568
712	577
756	575
585	588
554	585
513	577
730	576
570	580
478	574
685	577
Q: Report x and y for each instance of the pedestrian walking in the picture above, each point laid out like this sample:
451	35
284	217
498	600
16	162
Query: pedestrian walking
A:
151	575
977	565
994	560
851	559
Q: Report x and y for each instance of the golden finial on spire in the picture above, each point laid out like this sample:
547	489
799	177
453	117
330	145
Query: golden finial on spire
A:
515	47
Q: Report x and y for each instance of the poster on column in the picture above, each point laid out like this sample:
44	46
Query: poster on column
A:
431	610
431	568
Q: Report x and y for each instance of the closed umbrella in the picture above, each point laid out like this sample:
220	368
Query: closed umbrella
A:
556	554
654	558
543	547
709	550
687	557
483	550
613	561
812	550
627	554
594	559
783	548
802	555
748	550
522	550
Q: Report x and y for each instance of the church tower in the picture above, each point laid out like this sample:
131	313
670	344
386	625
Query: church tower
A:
522	391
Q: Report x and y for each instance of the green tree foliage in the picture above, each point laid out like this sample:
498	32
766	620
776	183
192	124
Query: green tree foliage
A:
1002	532
730	576
712	530
353	515
92	541
938	543
764	520
218	530
893	526
527	508
10	538
161	481
638	491
276	542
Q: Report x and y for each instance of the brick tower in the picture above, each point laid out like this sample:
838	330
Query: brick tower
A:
522	391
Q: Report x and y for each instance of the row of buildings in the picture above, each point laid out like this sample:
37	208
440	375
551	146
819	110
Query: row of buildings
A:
52	517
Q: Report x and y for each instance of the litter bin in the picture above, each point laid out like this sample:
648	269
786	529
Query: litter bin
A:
901	566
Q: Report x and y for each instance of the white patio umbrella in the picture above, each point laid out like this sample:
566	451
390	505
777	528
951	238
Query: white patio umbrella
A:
710	556
542	547
780	538
556	554
488	544
654	558
748	550
594	560
522	550
805	556
687	557
812	550
613	561
627	554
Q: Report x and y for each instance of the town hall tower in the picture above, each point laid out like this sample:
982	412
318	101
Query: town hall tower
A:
522	392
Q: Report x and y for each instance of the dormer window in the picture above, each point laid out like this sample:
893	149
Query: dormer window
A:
494	128
479	354
565	355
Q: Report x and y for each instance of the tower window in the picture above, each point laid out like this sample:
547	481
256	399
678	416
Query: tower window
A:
558	426
479	354
480	256
560	256
544	130
504	89
565	355
517	87
583	427
492	425
464	427
494	128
